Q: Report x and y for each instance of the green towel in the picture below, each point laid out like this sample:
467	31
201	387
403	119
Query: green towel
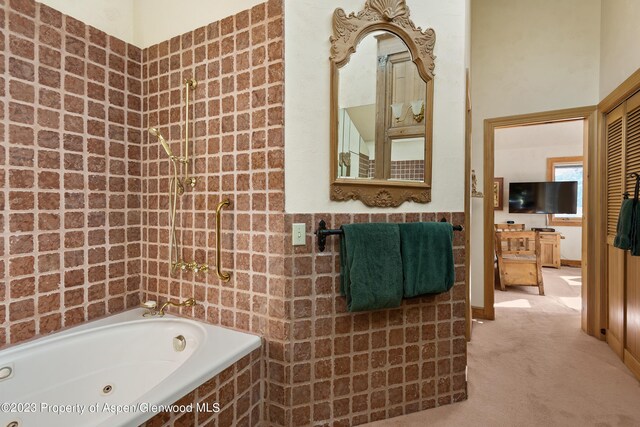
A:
427	257
370	266
628	229
623	230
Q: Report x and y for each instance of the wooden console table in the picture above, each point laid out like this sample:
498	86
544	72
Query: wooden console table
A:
550	249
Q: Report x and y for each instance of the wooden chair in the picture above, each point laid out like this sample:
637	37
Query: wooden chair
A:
504	227
519	262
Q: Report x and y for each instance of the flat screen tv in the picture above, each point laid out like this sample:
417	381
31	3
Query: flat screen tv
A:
543	197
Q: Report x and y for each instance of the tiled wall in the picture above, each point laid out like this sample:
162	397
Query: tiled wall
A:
237	122
236	391
363	166
351	368
402	169
408	169
70	111
238	146
237	119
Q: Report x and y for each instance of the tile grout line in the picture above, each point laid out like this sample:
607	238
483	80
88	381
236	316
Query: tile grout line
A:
36	169
5	187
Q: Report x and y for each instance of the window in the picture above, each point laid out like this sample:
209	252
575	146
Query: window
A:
566	169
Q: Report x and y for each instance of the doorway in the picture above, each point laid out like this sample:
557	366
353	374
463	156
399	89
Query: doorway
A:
590	318
539	168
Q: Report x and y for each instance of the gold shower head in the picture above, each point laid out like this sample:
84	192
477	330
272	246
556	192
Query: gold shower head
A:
163	141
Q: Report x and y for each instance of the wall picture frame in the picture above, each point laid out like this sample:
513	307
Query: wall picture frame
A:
498	194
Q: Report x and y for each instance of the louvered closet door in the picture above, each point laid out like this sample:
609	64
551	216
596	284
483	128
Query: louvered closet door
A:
632	282
615	257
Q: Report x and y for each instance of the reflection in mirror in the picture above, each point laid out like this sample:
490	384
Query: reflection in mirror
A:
354	157
382	82
357	112
407	159
381	111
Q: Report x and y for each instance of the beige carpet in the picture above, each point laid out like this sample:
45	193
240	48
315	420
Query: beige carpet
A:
533	366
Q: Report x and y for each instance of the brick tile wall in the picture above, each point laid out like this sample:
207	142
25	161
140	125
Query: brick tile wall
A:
70	105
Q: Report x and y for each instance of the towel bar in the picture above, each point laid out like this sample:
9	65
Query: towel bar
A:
322	232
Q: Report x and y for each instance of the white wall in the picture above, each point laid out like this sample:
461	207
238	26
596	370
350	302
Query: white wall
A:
307	31
147	22
114	17
619	43
521	155
527	56
159	20
407	149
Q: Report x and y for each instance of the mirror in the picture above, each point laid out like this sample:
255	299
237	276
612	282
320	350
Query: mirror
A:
382	106
381	81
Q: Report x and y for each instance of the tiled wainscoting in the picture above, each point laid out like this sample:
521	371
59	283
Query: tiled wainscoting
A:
351	368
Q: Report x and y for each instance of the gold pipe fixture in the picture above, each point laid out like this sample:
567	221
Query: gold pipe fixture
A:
191	266
151	307
181	177
190	84
187	303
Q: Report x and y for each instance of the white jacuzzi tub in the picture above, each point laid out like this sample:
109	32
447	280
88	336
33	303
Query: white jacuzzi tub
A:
85	375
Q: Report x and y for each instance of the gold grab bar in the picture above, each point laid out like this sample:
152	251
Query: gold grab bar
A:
222	276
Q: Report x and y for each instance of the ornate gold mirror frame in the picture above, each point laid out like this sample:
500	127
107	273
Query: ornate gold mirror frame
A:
348	31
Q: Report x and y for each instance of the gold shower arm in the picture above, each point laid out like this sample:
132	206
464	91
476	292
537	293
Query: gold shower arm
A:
221	275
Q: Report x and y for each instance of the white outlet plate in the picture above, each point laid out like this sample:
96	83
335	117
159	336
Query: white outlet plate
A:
298	232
